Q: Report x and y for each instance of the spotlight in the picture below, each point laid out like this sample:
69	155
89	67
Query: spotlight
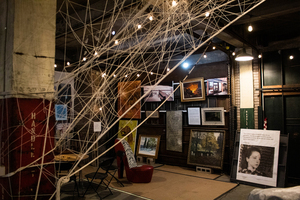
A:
185	65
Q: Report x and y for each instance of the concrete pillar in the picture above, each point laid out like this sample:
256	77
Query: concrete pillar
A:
27	56
246	95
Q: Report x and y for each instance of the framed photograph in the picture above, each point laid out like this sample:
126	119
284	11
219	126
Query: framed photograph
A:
194	117
148	146
213	116
206	148
216	86
192	90
154	115
258	156
158	93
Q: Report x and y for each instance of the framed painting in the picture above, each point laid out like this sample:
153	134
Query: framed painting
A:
206	148
216	86
213	116
258	156
148	146
192	90
129	93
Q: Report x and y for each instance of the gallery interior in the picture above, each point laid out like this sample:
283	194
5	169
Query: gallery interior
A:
148	99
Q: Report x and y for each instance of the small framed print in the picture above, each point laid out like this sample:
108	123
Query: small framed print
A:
155	114
213	116
194	116
148	146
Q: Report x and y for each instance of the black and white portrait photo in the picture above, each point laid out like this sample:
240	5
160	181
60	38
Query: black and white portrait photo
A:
258	156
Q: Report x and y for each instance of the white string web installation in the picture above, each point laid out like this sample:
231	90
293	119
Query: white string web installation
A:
127	41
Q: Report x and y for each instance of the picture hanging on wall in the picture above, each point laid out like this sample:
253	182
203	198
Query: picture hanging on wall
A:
125	127
129	92
206	148
148	146
174	131
216	86
158	93
192	90
155	114
213	116
194	117
258	156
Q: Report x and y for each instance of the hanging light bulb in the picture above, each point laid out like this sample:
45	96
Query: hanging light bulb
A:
168	69
150	18
250	28
205	56
95	53
291	57
207	14
233	53
113	32
114	75
174	3
214	47
103	74
259	56
116	42
151	73
100	108
68	63
126	76
84	59
139	26
138	75
185	65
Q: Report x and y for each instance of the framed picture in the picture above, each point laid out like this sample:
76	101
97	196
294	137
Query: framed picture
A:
125	127
129	92
258	156
213	116
216	86
192	90
148	146
158	93
206	148
154	115
194	116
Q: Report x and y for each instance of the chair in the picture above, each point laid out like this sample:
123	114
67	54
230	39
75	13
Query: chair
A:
113	168
105	163
125	158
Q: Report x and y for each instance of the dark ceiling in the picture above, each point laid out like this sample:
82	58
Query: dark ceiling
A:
276	25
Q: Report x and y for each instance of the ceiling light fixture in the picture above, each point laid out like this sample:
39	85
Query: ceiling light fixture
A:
243	56
214	47
205	56
55	65
233	53
259	56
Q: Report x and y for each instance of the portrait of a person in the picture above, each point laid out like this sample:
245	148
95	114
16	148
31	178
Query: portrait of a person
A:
250	161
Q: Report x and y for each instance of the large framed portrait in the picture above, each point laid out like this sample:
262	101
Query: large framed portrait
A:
192	90
258	156
148	146
206	148
213	116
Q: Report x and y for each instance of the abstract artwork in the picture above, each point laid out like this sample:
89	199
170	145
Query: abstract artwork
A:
174	131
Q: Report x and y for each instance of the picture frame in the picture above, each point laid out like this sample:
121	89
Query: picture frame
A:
148	146
194	115
213	116
154	115
192	90
206	148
